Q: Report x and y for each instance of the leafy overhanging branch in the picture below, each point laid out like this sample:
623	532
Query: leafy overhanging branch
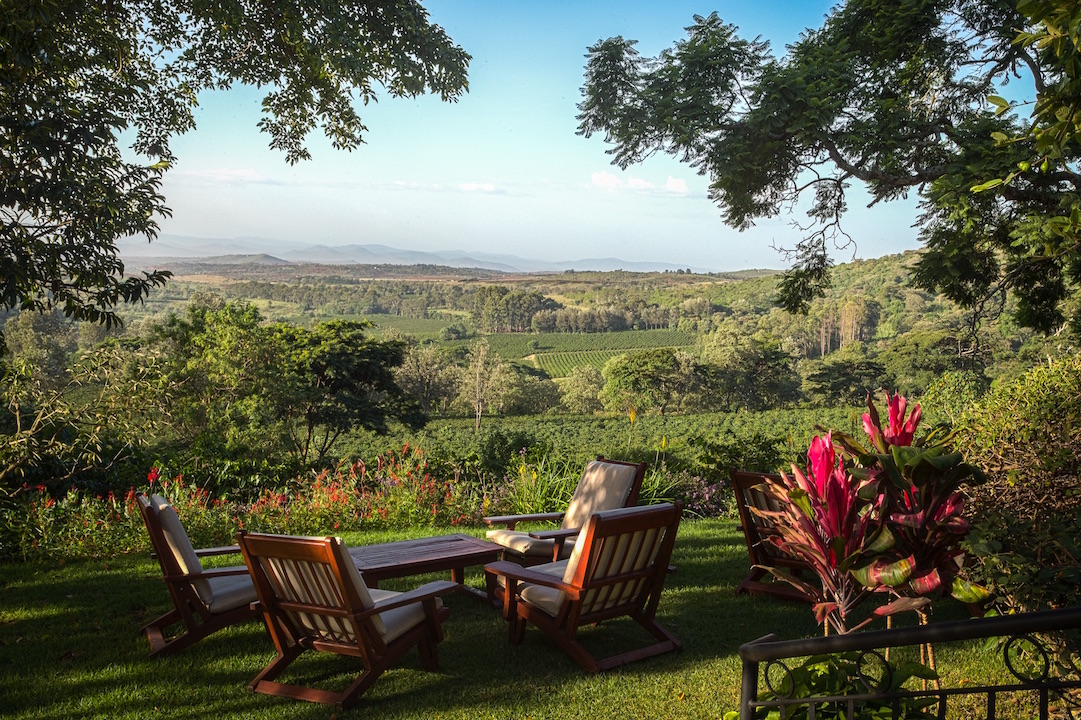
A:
892	95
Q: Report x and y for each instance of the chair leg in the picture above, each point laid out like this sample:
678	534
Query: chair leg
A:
155	633
751	580
667	643
276	667
516	629
351	695
193	631
427	644
265	684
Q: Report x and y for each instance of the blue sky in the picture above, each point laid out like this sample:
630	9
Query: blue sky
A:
502	170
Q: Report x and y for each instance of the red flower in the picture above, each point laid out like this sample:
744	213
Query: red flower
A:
153	475
898	430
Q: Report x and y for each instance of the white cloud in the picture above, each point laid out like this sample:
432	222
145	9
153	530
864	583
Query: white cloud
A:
478	187
676	185
226	174
605	180
639	184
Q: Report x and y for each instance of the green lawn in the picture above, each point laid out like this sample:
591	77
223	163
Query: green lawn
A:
70	648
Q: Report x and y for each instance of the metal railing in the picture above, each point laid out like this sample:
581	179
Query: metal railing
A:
1020	629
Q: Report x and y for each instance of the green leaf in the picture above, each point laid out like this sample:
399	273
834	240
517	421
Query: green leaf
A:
882	541
799	498
986	186
896	573
968	592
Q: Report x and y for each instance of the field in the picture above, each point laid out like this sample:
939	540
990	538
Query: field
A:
419	328
562	364
582	348
705	443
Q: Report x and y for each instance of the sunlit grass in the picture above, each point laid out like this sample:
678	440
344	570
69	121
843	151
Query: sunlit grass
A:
70	648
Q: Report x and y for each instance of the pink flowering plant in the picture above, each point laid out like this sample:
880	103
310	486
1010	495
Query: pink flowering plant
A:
888	521
921	479
823	519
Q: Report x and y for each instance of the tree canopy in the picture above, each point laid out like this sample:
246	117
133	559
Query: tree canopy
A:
77	75
900	97
232	382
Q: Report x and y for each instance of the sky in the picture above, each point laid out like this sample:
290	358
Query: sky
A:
502	170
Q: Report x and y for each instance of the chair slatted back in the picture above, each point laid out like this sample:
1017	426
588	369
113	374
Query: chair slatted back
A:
311	586
749	493
619	562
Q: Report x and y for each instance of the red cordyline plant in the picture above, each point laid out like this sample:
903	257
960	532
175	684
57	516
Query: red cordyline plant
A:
891	523
921	480
823	518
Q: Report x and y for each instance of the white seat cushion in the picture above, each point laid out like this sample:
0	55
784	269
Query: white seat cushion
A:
400	620
520	542
367	598
180	545
546	598
231	591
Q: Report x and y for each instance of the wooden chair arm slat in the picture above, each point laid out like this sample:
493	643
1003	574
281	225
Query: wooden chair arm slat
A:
525	574
222	550
209	552
207	574
531	517
428	590
561	534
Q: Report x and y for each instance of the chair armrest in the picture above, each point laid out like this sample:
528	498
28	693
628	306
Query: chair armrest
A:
209	552
424	592
209	573
524	574
511	520
561	534
222	550
558	537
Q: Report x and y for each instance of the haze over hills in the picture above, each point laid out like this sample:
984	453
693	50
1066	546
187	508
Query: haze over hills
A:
266	250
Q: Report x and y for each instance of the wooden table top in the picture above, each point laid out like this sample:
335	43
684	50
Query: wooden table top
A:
414	557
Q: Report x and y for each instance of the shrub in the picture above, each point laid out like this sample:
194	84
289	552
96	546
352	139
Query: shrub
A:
539	485
75	524
742	450
1027	435
401	490
703	497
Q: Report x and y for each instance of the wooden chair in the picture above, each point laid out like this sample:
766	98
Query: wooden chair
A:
312	597
617	568
605	485
204	601
763	554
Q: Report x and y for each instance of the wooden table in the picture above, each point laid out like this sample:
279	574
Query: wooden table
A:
415	557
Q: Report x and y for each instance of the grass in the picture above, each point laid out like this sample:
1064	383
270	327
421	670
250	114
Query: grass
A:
70	647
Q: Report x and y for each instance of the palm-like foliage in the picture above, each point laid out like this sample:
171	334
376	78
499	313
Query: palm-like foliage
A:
889	523
921	480
824	521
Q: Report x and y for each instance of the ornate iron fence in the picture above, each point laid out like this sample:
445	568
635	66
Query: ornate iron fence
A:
1020	630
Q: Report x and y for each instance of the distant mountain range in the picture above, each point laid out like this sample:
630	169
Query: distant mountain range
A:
267	251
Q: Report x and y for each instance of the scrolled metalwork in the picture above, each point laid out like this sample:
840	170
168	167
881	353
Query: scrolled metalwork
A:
884	681
1033	664
1013	650
787	676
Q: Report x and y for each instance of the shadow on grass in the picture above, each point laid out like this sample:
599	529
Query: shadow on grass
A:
70	647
